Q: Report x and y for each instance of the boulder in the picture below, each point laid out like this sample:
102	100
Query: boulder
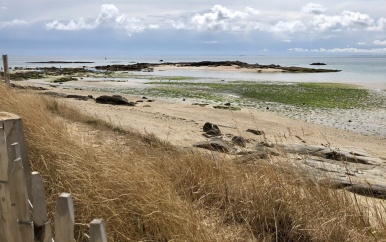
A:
114	100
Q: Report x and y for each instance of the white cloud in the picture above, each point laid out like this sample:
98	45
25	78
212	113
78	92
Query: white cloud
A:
379	42
218	18
313	8
252	11
154	26
72	25
341	50
347	20
297	50
108	17
210	42
288	27
361	43
15	22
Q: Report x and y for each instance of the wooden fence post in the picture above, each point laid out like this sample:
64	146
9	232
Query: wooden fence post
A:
5	64
13	131
8	222
98	231
18	187
64	219
39	209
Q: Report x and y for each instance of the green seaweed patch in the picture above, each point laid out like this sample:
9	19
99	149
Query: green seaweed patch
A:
64	79
318	95
312	95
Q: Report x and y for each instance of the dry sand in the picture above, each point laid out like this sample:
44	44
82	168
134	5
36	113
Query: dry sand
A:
181	123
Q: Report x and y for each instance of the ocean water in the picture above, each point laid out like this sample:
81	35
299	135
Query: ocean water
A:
368	71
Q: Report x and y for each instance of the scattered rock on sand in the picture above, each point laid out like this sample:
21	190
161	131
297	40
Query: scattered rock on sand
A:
254	131
114	100
240	141
215	145
78	97
211	129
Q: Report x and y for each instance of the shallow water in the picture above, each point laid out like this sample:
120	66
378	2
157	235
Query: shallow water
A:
368	71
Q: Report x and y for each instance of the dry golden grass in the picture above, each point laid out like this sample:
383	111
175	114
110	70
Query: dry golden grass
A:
147	190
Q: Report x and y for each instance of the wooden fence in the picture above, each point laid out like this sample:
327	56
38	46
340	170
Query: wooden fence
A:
23	209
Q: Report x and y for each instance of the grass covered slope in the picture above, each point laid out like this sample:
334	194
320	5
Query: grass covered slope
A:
147	190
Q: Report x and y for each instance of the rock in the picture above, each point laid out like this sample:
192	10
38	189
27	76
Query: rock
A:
318	64
227	107
211	129
207	126
144	97
55	94
215	145
78	97
240	141
114	100
150	101
227	104
254	131
146	106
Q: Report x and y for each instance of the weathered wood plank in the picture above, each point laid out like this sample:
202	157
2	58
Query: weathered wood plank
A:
8	222
38	200
98	231
13	131
18	187
39	211
5	64
64	219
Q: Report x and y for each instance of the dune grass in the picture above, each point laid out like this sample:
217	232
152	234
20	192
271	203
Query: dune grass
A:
148	190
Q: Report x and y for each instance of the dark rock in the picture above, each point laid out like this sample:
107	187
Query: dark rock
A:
114	100
215	145
256	132
318	64
226	107
55	94
227	104
78	97
150	101
211	129
90	96
140	101
240	141
146	106
144	97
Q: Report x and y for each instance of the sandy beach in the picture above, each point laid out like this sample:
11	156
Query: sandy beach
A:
180	122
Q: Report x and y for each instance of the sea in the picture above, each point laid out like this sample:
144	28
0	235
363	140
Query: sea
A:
366	71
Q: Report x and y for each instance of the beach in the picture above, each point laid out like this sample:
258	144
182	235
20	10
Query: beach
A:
179	120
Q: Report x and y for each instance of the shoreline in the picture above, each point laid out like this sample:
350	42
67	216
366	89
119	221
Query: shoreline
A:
179	122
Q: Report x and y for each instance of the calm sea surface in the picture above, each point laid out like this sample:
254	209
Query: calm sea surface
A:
369	71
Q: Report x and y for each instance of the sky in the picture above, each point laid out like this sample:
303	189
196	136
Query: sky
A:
192	27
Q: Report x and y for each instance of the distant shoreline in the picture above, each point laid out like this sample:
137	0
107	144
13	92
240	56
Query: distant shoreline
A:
60	62
213	65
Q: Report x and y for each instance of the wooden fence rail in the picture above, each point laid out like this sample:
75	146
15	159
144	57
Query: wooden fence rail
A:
23	209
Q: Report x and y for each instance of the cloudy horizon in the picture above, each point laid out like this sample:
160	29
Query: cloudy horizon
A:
192	27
